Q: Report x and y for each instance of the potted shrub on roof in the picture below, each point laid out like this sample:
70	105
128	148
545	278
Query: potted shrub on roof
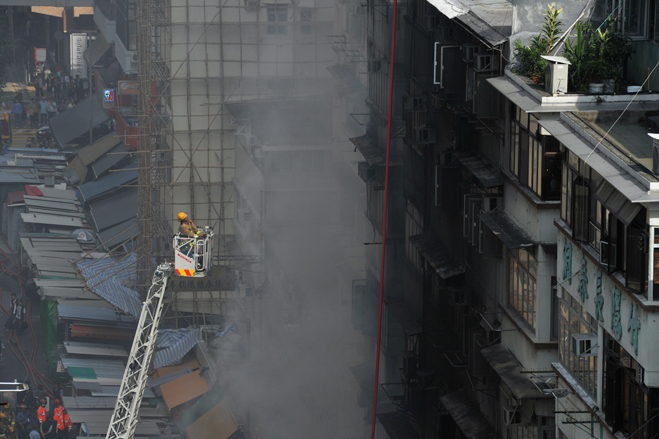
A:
531	63
600	56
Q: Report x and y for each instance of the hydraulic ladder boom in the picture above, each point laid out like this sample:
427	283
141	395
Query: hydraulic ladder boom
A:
125	415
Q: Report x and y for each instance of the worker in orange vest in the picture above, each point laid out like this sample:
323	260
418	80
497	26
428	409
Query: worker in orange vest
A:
42	412
64	425
57	411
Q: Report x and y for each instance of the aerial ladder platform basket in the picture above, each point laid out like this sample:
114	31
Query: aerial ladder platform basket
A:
192	257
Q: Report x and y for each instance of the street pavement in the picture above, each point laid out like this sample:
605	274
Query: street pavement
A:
20	136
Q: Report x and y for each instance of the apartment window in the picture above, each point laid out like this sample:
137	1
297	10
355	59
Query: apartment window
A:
534	159
634	16
601	216
522	272
629	406
574	319
127	24
306	17
413	226
277	18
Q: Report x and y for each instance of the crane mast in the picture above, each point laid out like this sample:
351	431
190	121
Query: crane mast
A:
126	411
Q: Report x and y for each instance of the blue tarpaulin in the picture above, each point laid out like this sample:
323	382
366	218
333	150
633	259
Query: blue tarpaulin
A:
107	277
173	344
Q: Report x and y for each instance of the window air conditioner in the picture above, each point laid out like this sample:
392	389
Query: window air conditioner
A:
251	4
485	62
135	57
584	345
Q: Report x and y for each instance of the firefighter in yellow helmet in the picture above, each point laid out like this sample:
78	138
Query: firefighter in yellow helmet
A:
187	227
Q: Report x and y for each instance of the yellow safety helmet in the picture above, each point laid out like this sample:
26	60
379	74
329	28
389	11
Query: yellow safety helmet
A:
2	415
182	216
11	428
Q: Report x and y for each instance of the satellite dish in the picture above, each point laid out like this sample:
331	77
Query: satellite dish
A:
59	35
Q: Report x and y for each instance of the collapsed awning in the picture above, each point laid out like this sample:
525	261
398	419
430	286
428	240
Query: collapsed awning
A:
96	50
615	176
372	154
402	314
616	203
504	228
467	416
75	121
483	171
507	367
437	255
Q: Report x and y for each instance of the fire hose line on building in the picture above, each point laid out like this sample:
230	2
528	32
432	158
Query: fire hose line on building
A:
28	364
384	215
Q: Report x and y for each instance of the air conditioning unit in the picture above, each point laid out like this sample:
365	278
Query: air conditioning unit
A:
243	290
469	52
135	57
490	203
584	345
251	4
486	62
425	135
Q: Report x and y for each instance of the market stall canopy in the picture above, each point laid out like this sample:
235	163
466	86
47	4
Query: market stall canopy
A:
74	122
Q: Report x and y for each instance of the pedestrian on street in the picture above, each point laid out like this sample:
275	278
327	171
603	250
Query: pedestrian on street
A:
18	113
61	108
38	86
48	428
56	85
43	111
22	418
33	112
19	316
52	109
12	310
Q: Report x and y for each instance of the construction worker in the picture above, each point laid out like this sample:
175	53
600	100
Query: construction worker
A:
42	413
187	227
64	425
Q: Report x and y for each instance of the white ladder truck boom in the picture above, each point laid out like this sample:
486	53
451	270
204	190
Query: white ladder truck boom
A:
197	260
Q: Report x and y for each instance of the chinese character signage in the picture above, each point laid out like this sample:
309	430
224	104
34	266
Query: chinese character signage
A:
222	278
77	47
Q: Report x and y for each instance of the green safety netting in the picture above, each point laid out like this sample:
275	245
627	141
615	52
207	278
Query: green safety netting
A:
49	331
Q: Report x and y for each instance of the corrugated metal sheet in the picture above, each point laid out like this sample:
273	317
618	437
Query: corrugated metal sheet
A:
92	314
58	193
116	235
57	220
66	126
94	189
90	153
107	278
104	350
173	344
109	160
113	210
